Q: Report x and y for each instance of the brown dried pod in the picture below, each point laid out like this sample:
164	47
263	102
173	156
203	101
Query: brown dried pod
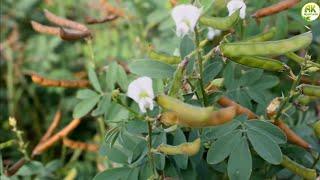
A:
64	22
72	35
79	145
108	18
273	9
59	83
45	29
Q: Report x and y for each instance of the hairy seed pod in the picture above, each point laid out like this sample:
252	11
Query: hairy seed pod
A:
79	145
59	83
275	8
72	35
222	23
45	29
177	77
183	110
309	90
298	169
266	36
266	48
108	18
260	62
189	149
163	57
64	22
218	117
316	128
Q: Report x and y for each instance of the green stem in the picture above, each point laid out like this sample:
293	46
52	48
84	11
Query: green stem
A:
315	161
119	101
10	82
291	92
149	141
92	61
205	98
101	127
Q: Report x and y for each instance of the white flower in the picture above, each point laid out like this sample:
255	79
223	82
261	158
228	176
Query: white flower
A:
234	5
141	91
212	33
185	17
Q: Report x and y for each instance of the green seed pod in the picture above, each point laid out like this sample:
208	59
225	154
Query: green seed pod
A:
164	58
298	169
176	83
260	62
266	48
266	36
305	100
222	23
189	149
218	117
310	90
183	110
316	128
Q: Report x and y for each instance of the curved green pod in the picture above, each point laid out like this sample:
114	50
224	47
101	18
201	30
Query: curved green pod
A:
188	148
305	100
310	90
298	169
177	77
164	58
266	36
185	111
222	23
266	48
260	62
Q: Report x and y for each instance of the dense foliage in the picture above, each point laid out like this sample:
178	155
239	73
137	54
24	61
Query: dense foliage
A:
230	106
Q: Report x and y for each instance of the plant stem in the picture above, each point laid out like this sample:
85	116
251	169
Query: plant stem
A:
205	98
315	161
10	82
119	101
92	61
292	89
149	141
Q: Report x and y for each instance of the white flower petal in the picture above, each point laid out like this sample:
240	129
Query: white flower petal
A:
212	33
141	106
185	16
182	29
150	103
141	91
234	5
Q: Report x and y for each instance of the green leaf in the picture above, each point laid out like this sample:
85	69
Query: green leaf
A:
267	129
84	106
181	159
31	168
240	162
160	159
222	148
111	75
221	130
112	174
251	77
170	170
211	72
134	174
146	171
207	4
94	79
186	46
267	82
86	93
265	146
115	153
103	105
158	86
122	78
152	69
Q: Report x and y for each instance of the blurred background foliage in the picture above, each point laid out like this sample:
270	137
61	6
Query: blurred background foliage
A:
24	51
